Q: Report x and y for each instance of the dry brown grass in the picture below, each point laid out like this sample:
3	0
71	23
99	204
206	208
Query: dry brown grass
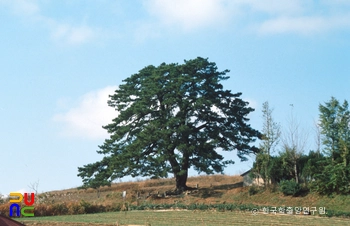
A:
212	189
211	184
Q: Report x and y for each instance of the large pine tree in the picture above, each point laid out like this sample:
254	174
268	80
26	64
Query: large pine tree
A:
170	118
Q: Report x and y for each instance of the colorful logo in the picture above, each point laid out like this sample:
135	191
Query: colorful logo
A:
15	206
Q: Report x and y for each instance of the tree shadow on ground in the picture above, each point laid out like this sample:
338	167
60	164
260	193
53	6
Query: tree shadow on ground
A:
208	192
213	190
228	186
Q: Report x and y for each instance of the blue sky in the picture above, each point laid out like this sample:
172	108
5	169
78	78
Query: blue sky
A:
60	60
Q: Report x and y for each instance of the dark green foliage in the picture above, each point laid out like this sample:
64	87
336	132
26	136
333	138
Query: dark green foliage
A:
277	168
172	117
333	179
308	166
335	128
332	172
325	172
197	206
86	207
311	165
289	187
332	213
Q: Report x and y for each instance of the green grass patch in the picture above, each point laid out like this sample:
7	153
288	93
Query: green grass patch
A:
181	218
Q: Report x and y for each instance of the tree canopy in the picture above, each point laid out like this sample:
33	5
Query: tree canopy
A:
170	118
335	128
271	134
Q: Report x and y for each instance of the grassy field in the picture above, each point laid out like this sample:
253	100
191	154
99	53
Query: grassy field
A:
212	190
181	218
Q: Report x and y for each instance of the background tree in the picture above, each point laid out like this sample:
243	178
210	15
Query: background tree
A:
335	131
277	168
270	138
294	141
172	117
344	132
311	165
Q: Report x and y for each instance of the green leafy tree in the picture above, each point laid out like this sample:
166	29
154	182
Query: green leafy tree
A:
311	165
271	134
335	130
172	117
278	168
334	179
344	133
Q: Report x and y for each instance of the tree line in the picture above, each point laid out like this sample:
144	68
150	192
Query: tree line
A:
324	170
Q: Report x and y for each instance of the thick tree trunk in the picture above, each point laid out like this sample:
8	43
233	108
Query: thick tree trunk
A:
181	182
180	172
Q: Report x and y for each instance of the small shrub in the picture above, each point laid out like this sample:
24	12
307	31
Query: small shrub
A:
43	210
289	187
202	207
221	207
116	206
88	207
4	209
75	208
59	209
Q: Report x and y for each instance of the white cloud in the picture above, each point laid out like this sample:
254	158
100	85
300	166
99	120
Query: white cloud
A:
60	32
303	25
22	7
301	17
263	17
271	7
86	119
268	17
67	33
193	14
70	34
188	14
